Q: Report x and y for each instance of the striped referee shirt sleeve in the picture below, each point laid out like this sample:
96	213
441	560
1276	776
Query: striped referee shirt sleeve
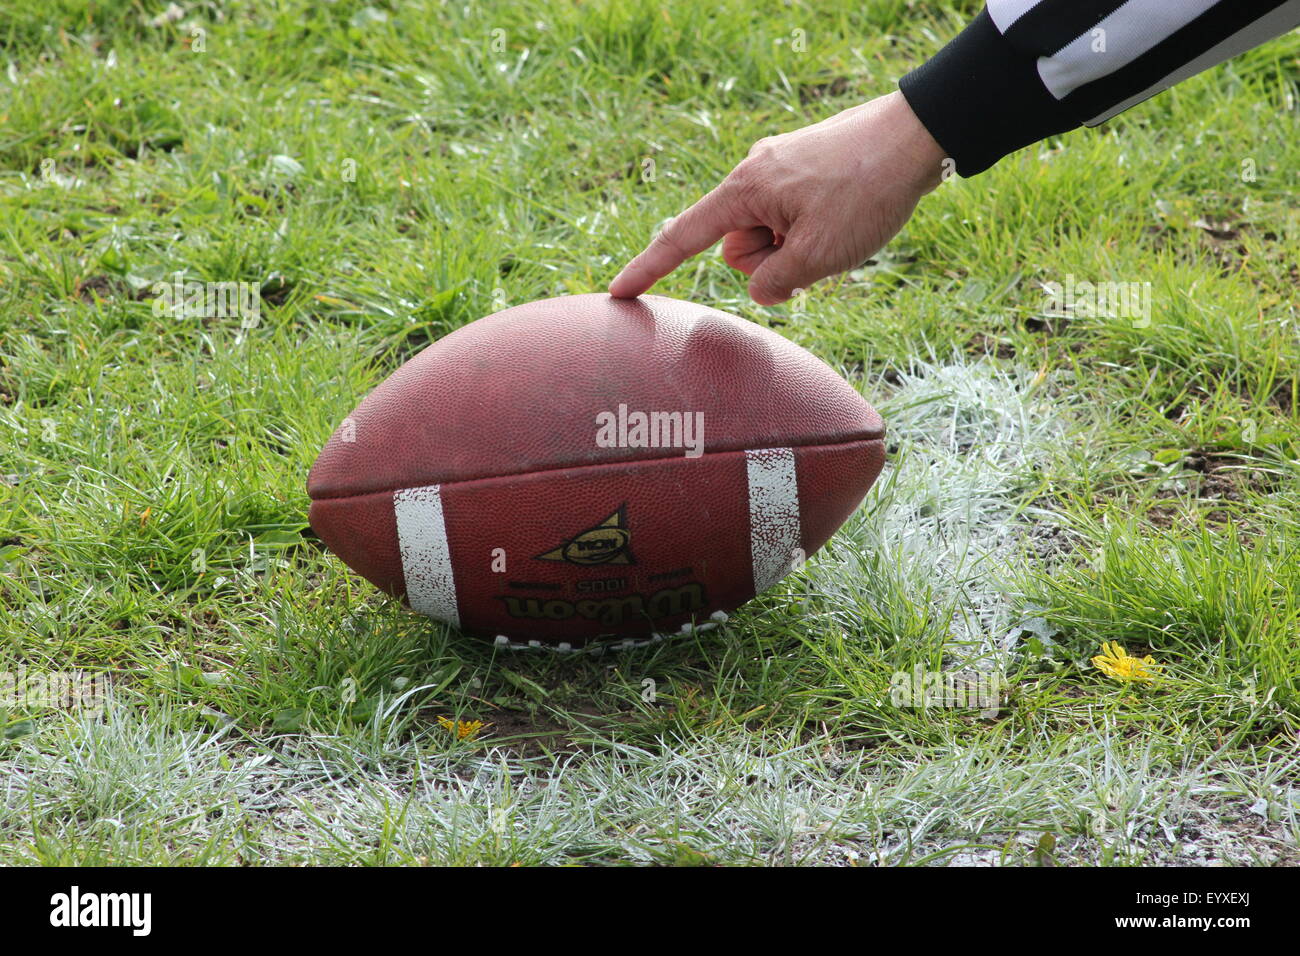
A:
1024	70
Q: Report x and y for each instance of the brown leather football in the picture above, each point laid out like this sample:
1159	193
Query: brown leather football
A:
588	466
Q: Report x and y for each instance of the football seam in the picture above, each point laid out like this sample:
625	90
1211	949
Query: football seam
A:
604	464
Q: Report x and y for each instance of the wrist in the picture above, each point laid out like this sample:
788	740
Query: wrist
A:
923	159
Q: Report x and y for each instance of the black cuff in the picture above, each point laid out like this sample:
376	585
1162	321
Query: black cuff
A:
981	99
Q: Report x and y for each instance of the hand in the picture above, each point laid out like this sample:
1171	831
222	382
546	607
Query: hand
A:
804	205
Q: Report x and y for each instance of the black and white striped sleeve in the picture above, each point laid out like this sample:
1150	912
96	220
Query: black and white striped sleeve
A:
1024	70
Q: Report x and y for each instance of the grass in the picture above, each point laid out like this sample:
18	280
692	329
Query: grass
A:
385	173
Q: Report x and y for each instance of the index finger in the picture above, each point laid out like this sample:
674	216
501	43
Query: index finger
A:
689	234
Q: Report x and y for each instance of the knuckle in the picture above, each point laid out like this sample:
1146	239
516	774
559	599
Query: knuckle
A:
746	179
669	233
763	149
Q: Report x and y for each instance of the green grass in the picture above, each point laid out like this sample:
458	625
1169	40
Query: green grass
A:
386	173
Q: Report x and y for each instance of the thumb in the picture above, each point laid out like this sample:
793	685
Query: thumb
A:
781	273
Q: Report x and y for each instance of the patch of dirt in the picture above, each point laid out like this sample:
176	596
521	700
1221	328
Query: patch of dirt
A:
1242	835
274	197
1283	396
829	89
96	287
1225	476
1180	411
1215	237
102	287
277	290
1052	541
1213	478
1047	324
529	733
984	344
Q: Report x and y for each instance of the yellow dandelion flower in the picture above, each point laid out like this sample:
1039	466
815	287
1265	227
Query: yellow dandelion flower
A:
1114	661
463	729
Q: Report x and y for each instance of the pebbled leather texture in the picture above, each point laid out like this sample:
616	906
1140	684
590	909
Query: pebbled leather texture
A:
501	415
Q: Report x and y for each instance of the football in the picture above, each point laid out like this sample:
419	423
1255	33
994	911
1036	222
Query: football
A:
586	467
